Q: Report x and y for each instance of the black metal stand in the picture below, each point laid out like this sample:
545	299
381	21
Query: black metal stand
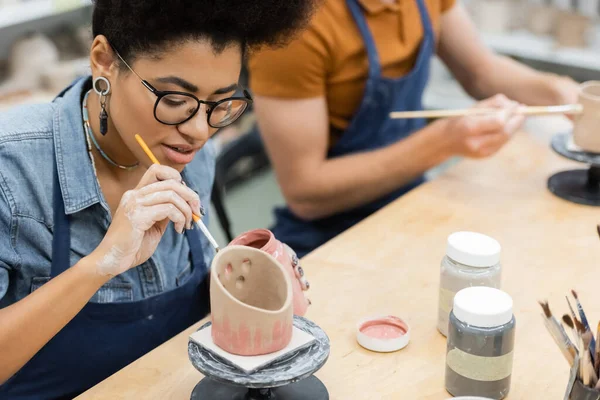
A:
580	186
307	389
288	378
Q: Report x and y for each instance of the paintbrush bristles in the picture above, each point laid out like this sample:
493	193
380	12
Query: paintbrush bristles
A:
546	308
569	321
579	326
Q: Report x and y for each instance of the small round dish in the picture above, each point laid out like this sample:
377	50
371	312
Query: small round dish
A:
383	334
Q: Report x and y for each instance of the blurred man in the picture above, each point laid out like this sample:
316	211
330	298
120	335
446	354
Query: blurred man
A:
323	102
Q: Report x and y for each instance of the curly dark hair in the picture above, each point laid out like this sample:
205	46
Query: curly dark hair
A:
135	27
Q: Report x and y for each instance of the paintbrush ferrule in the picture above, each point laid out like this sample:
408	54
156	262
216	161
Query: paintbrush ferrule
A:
562	340
208	235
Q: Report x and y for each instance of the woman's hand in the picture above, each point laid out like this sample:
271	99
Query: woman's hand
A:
142	218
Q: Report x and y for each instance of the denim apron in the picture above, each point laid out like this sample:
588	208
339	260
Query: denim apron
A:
105	337
370	129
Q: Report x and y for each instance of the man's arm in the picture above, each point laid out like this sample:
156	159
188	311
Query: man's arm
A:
482	73
296	135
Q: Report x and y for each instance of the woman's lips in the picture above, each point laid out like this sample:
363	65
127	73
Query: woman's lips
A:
179	154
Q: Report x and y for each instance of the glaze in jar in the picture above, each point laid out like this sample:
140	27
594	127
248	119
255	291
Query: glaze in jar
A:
472	259
481	338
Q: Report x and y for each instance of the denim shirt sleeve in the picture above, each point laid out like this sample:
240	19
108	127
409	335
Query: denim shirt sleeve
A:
8	256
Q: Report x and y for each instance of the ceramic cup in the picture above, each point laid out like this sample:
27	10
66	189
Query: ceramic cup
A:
572	29
585	133
264	240
251	302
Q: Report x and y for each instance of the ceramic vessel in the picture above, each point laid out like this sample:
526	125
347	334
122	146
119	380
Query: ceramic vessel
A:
542	20
264	240
586	134
572	29
493	16
251	302
29	57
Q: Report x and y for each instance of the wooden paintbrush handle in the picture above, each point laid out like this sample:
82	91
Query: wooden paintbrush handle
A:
542	110
547	110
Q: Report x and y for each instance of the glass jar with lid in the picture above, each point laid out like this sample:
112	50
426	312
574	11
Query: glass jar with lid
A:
472	259
481	342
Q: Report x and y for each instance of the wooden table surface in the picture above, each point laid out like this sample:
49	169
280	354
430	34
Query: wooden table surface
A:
389	263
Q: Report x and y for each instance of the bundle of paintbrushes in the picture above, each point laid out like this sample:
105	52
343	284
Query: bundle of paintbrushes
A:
581	342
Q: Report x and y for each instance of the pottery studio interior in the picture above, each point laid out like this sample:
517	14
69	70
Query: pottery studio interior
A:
303	199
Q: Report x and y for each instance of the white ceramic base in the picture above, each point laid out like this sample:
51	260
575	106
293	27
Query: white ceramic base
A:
300	340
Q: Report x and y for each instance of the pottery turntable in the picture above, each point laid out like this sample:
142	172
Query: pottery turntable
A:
581	186
287	376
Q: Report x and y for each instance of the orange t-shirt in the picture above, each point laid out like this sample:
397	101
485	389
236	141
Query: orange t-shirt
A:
329	59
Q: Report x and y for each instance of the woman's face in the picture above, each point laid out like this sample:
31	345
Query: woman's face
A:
193	67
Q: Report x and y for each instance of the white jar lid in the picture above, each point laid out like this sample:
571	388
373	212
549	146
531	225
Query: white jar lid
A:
483	307
473	249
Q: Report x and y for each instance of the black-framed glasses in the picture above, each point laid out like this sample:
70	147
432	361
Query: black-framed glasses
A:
175	108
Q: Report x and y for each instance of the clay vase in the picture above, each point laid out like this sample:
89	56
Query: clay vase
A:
586	134
572	29
251	302
264	240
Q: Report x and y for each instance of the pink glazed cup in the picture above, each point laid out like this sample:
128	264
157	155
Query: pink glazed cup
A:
264	240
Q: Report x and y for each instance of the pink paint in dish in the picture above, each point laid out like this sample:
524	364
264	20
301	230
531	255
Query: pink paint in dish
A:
383	334
384	328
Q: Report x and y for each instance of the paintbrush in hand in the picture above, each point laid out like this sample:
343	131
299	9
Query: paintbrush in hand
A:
197	218
559	335
585	323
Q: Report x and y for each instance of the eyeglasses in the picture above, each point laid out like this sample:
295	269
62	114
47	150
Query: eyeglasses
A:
175	108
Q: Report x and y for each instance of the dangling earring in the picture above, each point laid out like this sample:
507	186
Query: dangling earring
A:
102	93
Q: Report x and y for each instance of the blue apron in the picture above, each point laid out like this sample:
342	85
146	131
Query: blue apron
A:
370	129
105	337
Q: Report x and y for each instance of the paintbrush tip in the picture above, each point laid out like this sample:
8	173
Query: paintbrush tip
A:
598	228
579	326
546	308
574	294
569	322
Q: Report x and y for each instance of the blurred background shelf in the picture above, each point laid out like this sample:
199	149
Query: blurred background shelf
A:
26	98
526	45
21	12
